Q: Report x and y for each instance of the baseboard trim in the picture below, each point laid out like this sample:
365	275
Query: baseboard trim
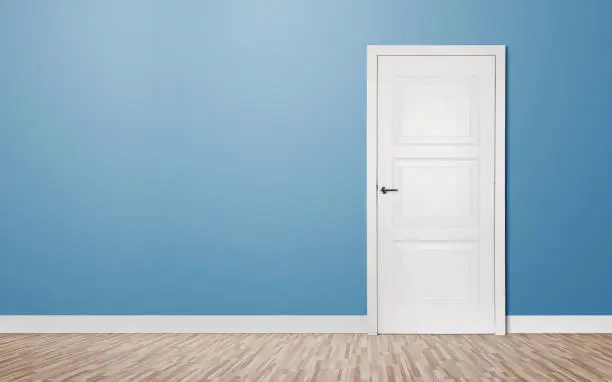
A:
559	324
183	324
267	324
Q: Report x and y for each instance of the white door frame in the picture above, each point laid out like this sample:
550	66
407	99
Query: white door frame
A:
497	51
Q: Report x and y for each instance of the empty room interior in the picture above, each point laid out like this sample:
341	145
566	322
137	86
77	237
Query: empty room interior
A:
305	190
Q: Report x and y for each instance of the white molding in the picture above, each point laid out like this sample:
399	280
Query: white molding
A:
267	324
500	189
372	191
183	324
373	51
559	324
435	50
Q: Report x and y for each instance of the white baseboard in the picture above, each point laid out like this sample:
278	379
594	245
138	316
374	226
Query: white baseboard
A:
267	324
183	324
559	324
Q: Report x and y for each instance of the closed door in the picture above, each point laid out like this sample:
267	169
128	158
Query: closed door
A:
436	134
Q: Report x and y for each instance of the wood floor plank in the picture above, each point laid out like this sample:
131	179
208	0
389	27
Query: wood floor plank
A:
304	357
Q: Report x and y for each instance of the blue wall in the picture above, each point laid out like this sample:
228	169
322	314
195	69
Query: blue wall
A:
208	157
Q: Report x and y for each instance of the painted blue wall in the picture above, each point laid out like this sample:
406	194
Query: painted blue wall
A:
208	157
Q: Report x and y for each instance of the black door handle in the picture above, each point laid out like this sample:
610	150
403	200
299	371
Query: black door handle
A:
384	190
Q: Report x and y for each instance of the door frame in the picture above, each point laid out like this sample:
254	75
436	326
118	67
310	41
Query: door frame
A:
497	51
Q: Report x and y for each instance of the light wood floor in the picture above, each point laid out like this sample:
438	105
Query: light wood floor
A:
303	357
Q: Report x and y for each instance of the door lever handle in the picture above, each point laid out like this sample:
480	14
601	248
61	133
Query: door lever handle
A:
384	190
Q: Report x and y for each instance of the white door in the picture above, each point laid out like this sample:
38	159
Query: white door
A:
436	135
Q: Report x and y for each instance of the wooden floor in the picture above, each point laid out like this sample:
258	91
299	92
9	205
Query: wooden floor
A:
304	357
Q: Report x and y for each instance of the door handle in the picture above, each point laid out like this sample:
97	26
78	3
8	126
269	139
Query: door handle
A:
384	190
